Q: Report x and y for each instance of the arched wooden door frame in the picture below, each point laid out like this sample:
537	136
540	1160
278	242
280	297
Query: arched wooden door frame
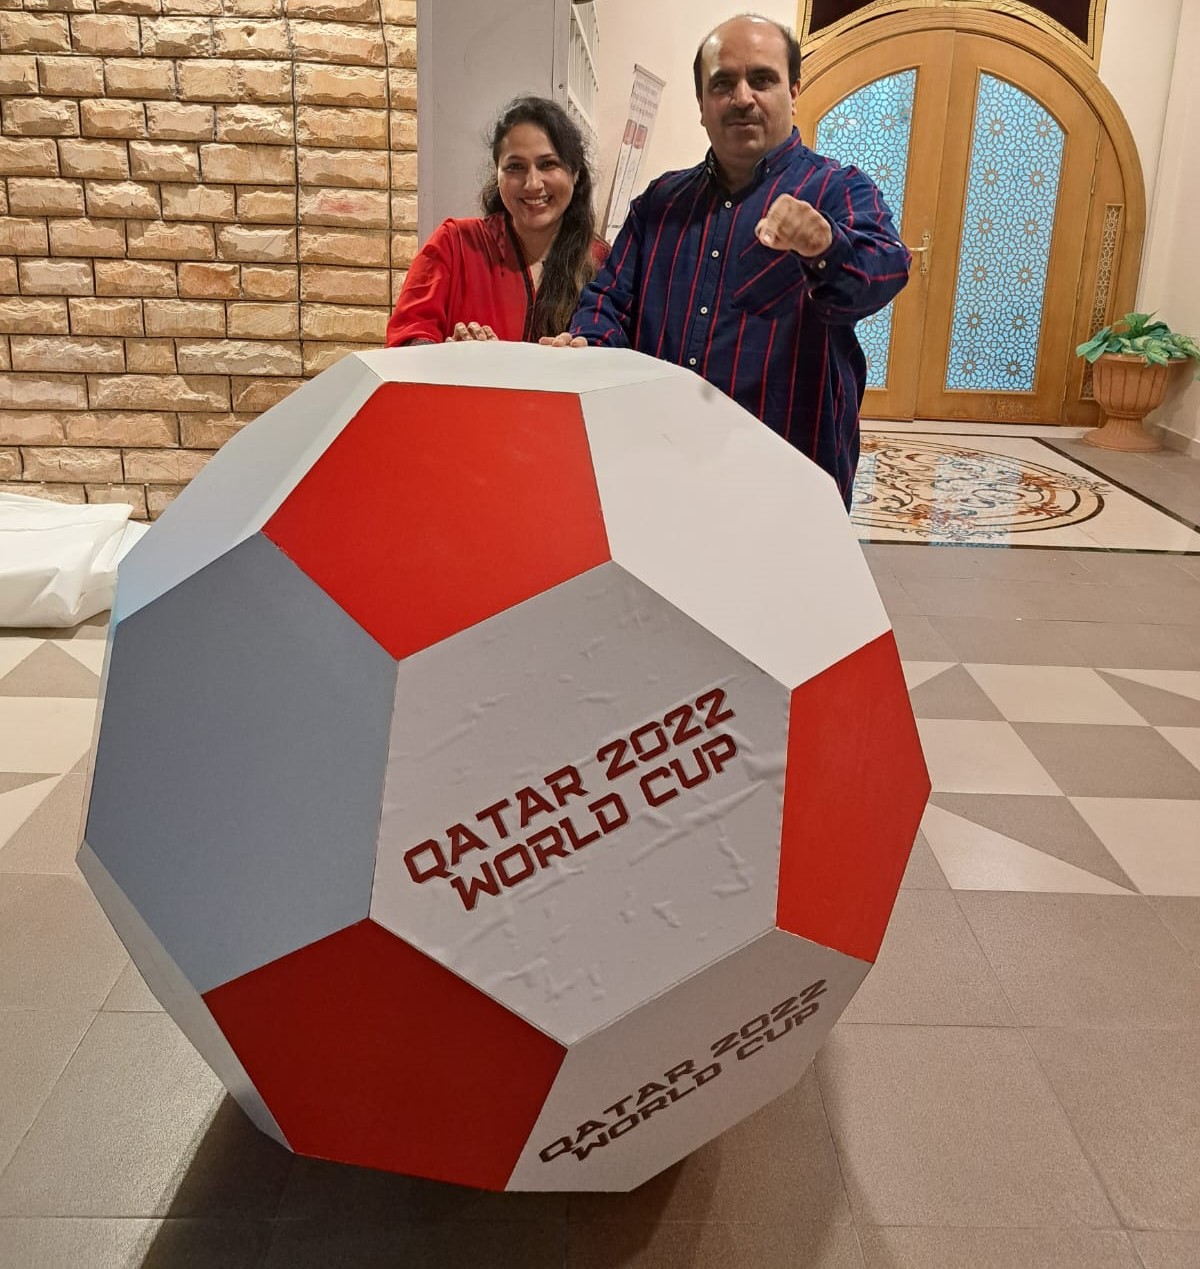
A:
1114	239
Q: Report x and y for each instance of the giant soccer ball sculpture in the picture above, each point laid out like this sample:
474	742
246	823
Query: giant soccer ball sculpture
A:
505	770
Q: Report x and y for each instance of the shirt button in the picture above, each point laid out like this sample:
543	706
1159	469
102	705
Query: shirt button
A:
704	308
691	361
716	254
820	264
728	203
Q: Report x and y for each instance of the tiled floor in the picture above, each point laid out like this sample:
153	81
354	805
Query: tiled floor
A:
1016	1085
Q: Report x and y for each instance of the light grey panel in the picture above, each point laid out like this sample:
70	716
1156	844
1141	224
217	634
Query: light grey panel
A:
239	770
243	484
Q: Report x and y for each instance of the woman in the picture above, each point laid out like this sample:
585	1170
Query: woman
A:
516	274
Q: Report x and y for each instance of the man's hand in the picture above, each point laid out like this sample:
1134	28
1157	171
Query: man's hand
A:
563	341
791	225
465	332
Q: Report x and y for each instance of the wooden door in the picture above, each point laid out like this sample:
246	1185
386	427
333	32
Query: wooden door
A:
989	155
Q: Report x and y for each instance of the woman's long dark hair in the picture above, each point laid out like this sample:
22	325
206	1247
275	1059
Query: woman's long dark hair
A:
569	263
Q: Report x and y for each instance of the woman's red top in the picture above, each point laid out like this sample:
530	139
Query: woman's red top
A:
468	271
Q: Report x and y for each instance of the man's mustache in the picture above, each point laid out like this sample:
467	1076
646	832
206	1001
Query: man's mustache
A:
742	116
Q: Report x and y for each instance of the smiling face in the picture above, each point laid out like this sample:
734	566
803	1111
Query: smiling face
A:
536	186
746	100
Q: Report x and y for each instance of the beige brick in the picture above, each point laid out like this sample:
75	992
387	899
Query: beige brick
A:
56	277
209	81
335	10
402	46
160	497
5	358
175	121
271	125
27	427
26	33
402	88
125	495
123	428
342	322
355	169
209	281
42	392
253	8
160	240
106	317
130	6
164	464
337	42
210	431
150	357
18	76
344	286
324	85
404	210
177	37
197	8
256	395
48	352
23	237
139	77
404	170
71	76
184	318
268	282
108	36
248	164
133	277
106	118
239	242
121	198
264	321
268	205
404	250
158	392
28	158
103	160
353	208
239	357
31	197
250	38
8	276
403	130
40	116
10	464
197	202
87	238
265	81
74	464
320	356
365	248
51	493
328	126
164	161
401	12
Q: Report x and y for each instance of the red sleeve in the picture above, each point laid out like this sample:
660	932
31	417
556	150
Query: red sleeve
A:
422	310
599	251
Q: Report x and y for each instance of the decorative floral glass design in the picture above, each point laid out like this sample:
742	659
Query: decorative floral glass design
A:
872	129
1008	223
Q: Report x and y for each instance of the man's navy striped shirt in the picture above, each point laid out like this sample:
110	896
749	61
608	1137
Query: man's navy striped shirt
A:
688	281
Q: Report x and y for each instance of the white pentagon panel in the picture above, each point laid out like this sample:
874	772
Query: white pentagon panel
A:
731	524
660	1082
539	835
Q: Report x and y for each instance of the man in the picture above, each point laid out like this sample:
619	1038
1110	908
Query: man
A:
753	267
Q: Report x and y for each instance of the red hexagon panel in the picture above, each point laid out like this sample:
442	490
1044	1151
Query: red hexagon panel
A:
459	503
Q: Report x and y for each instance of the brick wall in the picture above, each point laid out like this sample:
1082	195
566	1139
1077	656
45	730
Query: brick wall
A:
202	203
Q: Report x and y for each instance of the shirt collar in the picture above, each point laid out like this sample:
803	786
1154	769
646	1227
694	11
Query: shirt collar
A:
763	168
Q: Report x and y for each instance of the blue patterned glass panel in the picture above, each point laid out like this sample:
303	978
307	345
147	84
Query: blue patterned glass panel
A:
872	129
1012	192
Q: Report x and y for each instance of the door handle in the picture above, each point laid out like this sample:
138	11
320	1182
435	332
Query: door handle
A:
923	251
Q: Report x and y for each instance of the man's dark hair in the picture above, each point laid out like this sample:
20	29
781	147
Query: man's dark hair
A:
793	52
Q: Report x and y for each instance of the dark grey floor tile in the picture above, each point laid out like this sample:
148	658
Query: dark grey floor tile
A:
137	1125
1181	915
985	562
1156	706
1128	568
1167	1251
10	780
712	1245
49	839
58	1242
896	599
130	994
953	694
1133	1099
953	1126
1106	761
1085	960
923	871
49	671
1007	641
1127	645
1049	824
997	1249
1003	599
930	970
777	1167
917	640
353	1244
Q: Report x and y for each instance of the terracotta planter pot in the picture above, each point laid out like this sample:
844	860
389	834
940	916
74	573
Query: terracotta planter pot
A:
1126	388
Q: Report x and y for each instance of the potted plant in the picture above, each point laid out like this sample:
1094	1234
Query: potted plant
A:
1131	360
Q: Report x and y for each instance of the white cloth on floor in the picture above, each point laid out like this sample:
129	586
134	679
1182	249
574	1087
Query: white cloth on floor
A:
58	563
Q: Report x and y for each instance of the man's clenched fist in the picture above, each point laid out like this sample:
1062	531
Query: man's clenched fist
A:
791	225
